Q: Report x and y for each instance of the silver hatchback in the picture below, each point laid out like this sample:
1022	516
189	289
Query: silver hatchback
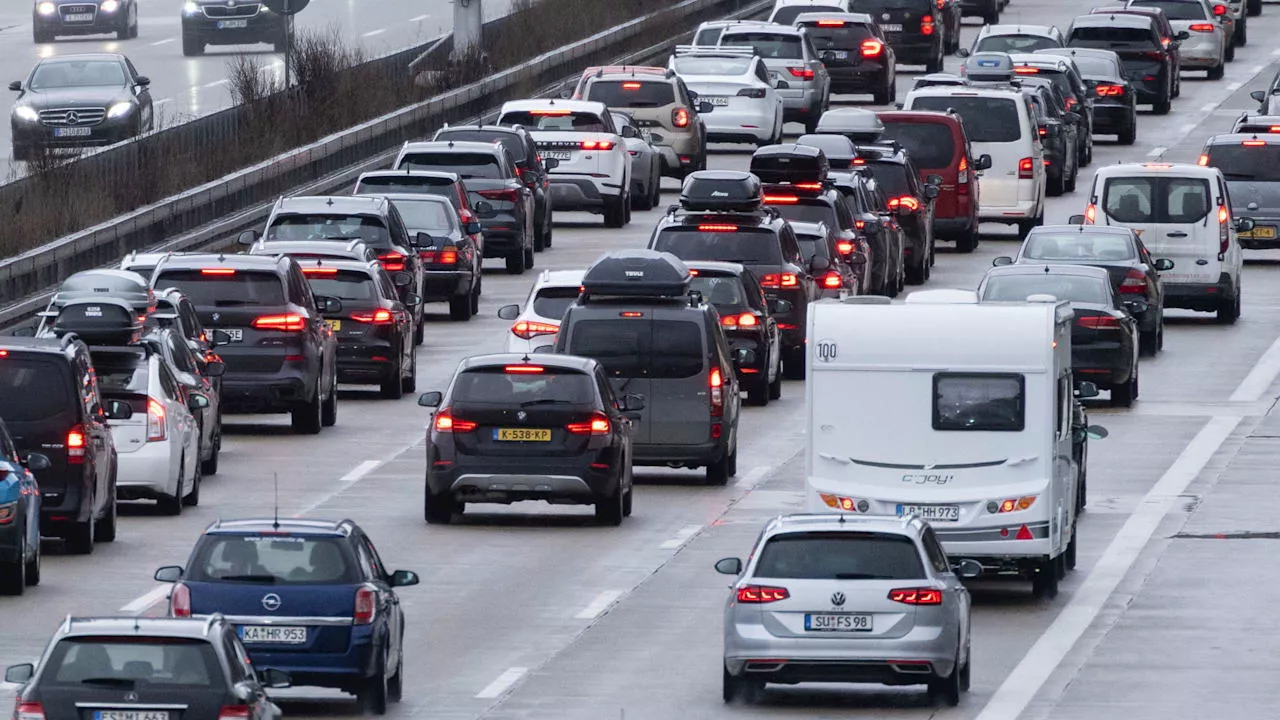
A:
834	598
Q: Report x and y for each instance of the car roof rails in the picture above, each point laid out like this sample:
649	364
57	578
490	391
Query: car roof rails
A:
729	50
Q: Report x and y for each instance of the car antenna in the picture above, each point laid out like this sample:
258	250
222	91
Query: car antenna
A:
525	359
275	520
841	518
1046	269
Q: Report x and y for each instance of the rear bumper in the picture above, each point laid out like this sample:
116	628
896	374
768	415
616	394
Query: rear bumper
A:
1107	364
917	50
1111	118
750	124
274	393
865	77
1198	296
970	8
145	473
752	651
691	456
578	193
365	362
440	285
479	479
321	669
947	227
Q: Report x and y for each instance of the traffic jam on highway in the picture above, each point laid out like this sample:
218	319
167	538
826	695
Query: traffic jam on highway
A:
769	278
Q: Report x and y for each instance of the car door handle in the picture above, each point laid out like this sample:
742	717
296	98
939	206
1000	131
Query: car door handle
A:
1177	233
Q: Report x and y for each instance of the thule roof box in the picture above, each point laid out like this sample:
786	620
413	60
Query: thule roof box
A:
636	273
122	285
839	149
99	321
988	67
721	191
790	164
939	80
854	123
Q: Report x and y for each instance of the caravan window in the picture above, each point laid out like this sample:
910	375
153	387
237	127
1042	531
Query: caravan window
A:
979	401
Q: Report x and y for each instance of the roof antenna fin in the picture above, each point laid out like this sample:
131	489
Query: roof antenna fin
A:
275	520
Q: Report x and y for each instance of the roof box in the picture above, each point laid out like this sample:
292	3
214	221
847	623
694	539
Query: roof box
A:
125	285
938	80
790	164
855	123
988	67
721	191
99	321
942	297
637	273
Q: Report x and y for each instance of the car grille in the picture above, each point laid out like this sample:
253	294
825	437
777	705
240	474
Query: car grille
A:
232	10
91	10
64	117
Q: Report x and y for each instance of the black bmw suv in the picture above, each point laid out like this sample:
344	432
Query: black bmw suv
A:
281	355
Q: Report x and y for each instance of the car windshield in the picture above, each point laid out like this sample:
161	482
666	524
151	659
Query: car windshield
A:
839	556
1175	9
495	386
1015	43
562	120
273	559
1156	199
787	15
712	66
768	45
1017	288
32	389
930	143
749	247
429	215
1078	246
722	290
225	289
1247	162
986	119
638	347
330	227
77	73
466	165
343	285
133	661
632	93
551	302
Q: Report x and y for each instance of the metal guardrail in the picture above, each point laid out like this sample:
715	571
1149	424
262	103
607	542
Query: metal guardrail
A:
200	217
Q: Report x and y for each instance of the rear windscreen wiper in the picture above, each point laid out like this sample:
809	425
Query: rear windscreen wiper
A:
249	578
546	401
122	682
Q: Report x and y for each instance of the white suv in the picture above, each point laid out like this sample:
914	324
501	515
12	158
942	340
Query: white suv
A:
594	171
538	322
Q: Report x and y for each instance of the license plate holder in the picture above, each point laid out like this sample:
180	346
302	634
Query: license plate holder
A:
718	100
838	622
891	27
233	24
522	434
840	54
236	334
557	155
63	132
273	634
130	715
78	17
932	513
334	325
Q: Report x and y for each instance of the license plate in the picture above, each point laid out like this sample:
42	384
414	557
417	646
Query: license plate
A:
1259	233
891	27
130	715
932	513
236	334
557	154
334	325
841	54
72	132
522	434
273	634
842	622
717	100
79	17
232	24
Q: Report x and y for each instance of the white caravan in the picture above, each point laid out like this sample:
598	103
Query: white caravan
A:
956	411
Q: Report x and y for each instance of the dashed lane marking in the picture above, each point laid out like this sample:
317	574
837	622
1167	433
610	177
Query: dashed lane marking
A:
502	684
681	537
1157	151
602	602
158	43
144	602
419	18
372	33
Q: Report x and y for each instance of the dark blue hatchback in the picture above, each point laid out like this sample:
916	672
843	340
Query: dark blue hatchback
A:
310	597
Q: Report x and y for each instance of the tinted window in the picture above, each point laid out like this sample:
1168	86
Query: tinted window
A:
1096	67
142	660
811	245
344	285
631	93
77	73
1156	200
1105	35
640	348
1016	288
241	288
750	247
330	227
767	45
986	119
120	373
1014	43
892	177
723	290
554	120
708	36
272	559
551	302
840	556
712	66
931	144
512	142
494	386
32	389
427	215
466	165
1175	9
1241	162
1078	246
843	37
390	184
973	401
788	15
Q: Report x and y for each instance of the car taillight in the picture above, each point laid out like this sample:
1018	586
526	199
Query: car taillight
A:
1099	322
716	382
234	712
904	202
381	316
1153	55
319	271
155	421
743	320
1224	226
1202	27
446	423
871	48
717	228
759	594
926	25
180	600
680	117
1044	132
597	144
287	323
781	199
1134	282
803	73
1026	168
776	280
1090	214
755	93
832	281
392	261
597	425
916	596
1203	160
1219	10
28	711
504	194
1254	143
75	445
1109	90
529	329
447	255
366	606
962	174
844	247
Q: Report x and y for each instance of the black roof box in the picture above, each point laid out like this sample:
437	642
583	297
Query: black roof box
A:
721	191
99	321
790	164
637	273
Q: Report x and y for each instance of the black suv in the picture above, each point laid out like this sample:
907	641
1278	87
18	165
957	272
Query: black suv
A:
194	668
1059	136
721	217
748	322
909	201
913	27
1077	99
228	22
49	399
530	167
280	354
856	53
1148	61
885	271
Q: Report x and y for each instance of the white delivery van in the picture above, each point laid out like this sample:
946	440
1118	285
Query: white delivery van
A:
956	411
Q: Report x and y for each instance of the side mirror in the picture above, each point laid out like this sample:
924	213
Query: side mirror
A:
934	179
1136	305
37	461
143	80
1086	390
631	402
16	86
827	56
508	312
169	573
431	399
220	337
551	163
729	566
473	228
628	131
1183	35
932	191
983	162
215	368
412	299
963	53
817	263
744	356
197	402
705	107
328	305
857	259
248	237
566	94
420	240
1002	260
273	678
1096	432
657	138
1245	224
403	279
967	569
778	306
118	410
1075	220
483	209
404	578
1164	264
783	85
19	674
1072	117
1259	95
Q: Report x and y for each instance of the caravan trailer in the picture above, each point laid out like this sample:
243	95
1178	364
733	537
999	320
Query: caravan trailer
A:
952	410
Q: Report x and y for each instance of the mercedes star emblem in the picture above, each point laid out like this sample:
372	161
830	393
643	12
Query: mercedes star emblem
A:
131	697
271	601
837	599
73	118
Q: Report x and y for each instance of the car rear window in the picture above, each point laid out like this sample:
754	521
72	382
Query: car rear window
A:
32	389
1096	68
892	177
1017	288
229	290
1175	9
133	662
986	119
848	36
1078	246
495	386
708	36
871	6
712	66
343	285
404	184
720	290
931	144
1106	35
121	373
467	165
768	45
631	93
814	245
512	142
272	559
787	15
330	227
554	120
749	247
639	347
426	215
1014	43
1254	163
1156	199
840	556
551	302
978	401
813	211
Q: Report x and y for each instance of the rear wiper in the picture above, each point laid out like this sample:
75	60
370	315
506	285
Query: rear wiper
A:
230	302
861	576
546	401
249	578
122	682
1239	176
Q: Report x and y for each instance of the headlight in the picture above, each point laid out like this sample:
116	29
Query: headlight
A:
110	5
22	112
120	109
46	8
191	8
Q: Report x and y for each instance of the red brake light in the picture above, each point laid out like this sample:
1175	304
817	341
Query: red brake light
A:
1219	10
832	281
835	23
529	329
549	113
631	86
844	247
1026	168
155	421
716	382
1224	233
801	72
287	323
597	425
597	144
1202	27
381	316
366	606
1023	70
916	596
774	280
319	271
1090	214
524	369
75	445
1099	322
1109	90
718	228
447	423
758	594
743	320
1134	282
808	186
1203	160
962	173
781	199
507	194
905	201
234	712
1223	215
180	600
447	255
926	25
680	117
1043	132
218	271
871	48
28	711
392	261
1254	143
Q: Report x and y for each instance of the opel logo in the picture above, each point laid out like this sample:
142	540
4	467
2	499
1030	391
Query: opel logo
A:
837	599
73	118
131	697
271	601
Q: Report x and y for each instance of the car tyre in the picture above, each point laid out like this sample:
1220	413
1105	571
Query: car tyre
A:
615	212
329	408
935	64
991	18
1044	581
1149	342
1231	52
759	392
460	308
1124	395
1217	72
1069	183
730	687
420	332
192	498
437	509
775	387
529	258
210	466
33	568
475	297
306	417
409	383
1055	184
1229	310
104	530
391	386
1254	8
395	684
515	262
1069	557
793	363
609	509
374	693
1162	106
968	242
1242	34
718	471
886	94
80	538
13	575
948	688
193	46
642	201
627	501
1129	134
172	504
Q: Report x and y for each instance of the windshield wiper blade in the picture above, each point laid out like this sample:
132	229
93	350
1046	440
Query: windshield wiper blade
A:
861	576
546	401
249	578
123	682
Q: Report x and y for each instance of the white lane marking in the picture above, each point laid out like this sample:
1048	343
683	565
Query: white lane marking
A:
601	603
1209	107
1232	87
681	537
1255	70
143	602
1021	686
345	482
502	684
1157	151
371	33
1186	129
753	476
419	18
360	471
216	83
166	41
162	101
